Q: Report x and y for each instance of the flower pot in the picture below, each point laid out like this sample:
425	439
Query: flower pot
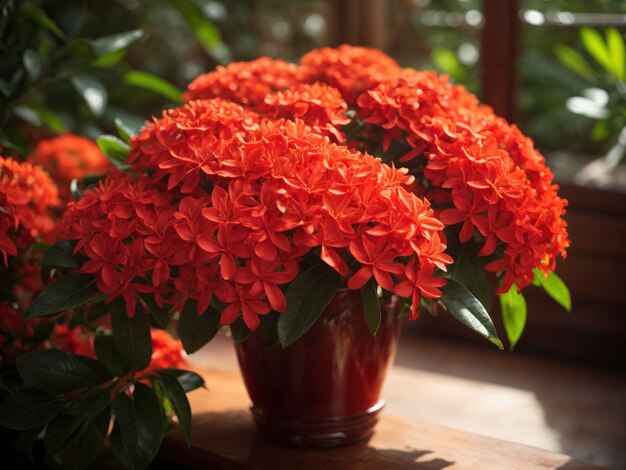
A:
324	389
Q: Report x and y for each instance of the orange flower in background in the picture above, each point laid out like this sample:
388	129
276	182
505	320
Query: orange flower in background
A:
68	157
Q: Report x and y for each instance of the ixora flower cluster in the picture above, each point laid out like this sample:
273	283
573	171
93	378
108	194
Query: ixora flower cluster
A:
29	203
227	204
270	170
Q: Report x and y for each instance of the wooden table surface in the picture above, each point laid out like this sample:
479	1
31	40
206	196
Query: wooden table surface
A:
224	436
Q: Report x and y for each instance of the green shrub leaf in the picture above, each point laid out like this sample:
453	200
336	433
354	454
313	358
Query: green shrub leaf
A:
108	354
466	308
513	306
28	409
111	44
307	297
114	149
69	292
91	438
55	371
138	429
60	255
151	82
93	92
197	330
175	393
615	44
555	288
371	306
593	42
132	335
125	130
187	379
468	270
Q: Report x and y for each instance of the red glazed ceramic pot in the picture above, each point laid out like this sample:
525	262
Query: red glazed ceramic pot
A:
324	389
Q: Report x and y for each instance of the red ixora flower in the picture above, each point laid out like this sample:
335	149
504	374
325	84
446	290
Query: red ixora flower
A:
236	200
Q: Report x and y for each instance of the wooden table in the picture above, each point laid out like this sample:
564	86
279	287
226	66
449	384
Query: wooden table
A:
224	436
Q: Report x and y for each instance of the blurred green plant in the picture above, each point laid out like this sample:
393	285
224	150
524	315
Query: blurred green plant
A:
604	100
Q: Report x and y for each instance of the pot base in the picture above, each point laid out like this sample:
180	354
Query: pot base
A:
330	432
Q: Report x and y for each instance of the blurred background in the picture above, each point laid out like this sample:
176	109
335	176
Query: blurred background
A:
557	68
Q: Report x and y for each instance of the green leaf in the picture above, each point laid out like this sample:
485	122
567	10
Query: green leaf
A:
513	306
132	335
207	34
39	16
159	316
592	40
269	329
138	427
239	330
110	44
125	130
175	392
32	64
64	426
573	61
55	371
28	114
307	297
371	306
197	330
93	92
468	270
69	292
114	149
554	287
60	255
28	409
446	61
108	354
615	44
466	308
189	380
91	438
153	83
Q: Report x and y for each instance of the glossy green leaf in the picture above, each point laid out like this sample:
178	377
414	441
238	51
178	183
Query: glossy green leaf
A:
189	380
513	307
55	371
573	61
615	44
269	329
32	64
153	83
114	149
239	331
125	130
110	44
307	296
197	330
60	255
175	393
64	426
28	114
469	271
466	308
132	335
371	306
91	438
138	429
69	292
93	92
204	30
28	409
555	288
159	316
593	42
107	353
